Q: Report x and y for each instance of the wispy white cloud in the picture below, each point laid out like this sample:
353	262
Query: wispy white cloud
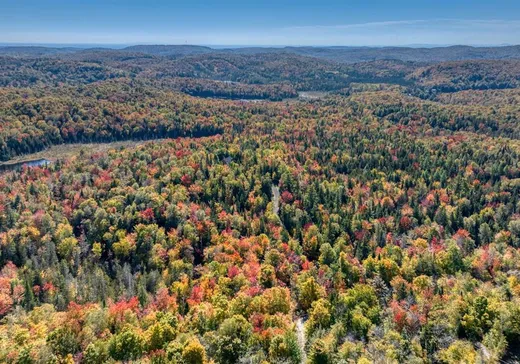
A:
357	25
444	22
383	33
414	31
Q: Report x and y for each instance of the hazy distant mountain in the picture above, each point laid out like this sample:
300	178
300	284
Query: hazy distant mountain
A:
338	54
439	54
170	50
35	51
364	54
348	54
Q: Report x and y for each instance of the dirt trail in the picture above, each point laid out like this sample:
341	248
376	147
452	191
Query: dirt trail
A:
300	333
276	199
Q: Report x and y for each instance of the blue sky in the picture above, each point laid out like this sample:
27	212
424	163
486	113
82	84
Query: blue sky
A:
267	22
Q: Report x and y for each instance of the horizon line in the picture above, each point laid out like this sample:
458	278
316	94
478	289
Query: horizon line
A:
108	45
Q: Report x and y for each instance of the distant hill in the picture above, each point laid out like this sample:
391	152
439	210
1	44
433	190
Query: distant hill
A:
260	66
366	54
35	51
348	54
170	50
337	54
457	76
425	72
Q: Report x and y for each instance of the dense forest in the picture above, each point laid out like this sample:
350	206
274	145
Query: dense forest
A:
378	222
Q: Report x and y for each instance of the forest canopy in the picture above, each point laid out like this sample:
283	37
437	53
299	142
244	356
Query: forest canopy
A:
285	208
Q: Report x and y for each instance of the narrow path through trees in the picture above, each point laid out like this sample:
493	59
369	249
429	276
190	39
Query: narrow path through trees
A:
276	199
300	332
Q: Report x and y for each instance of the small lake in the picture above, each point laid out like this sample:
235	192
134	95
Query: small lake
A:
32	163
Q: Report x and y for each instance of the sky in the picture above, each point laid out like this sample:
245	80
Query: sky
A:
266	22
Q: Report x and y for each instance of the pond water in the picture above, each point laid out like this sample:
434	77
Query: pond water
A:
18	165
